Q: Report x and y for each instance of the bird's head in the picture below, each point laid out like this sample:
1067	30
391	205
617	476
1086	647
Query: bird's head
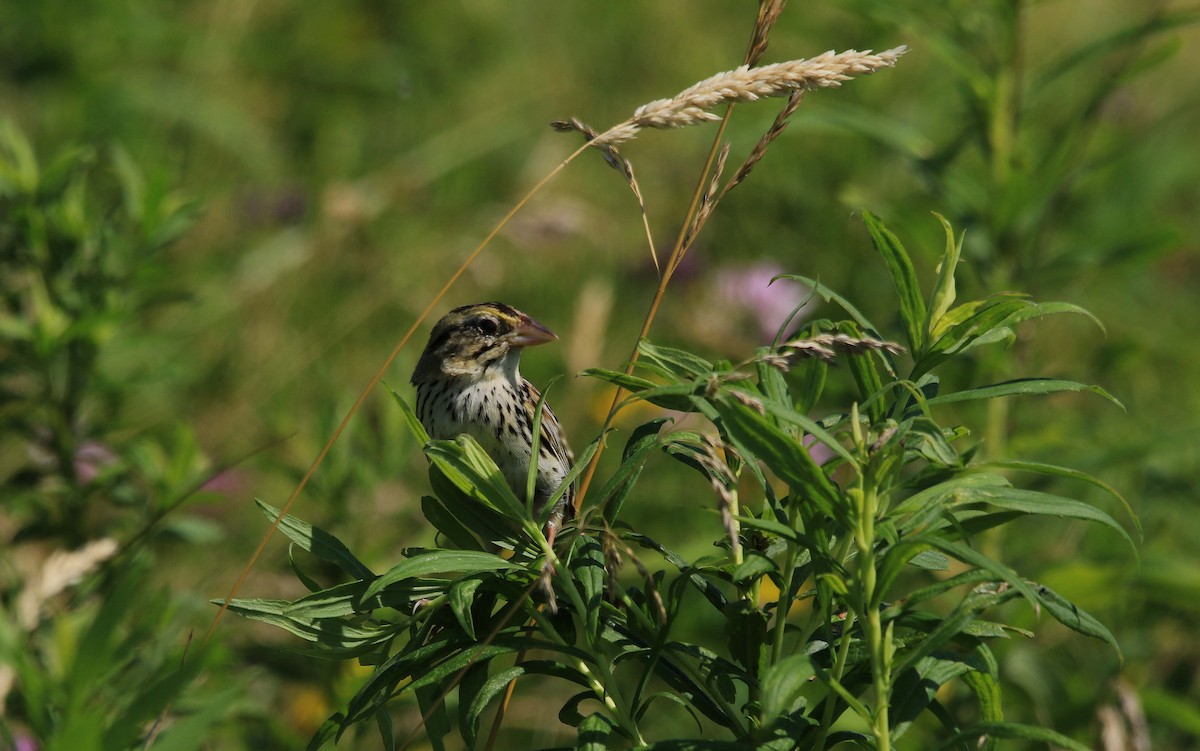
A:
471	340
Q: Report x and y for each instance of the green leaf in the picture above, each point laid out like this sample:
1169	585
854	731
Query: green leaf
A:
939	495
968	578
944	289
916	687
1069	615
471	470
436	512
97	651
684	365
1043	309
782	685
927	438
812	427
787	458
462	597
536	431
754	566
746	634
309	583
912	305
347	599
18	164
480	520
442	657
410	418
986	686
830	296
1021	387
1012	730
694	744
327	732
642	441
979	560
581	464
958	621
676	397
866	378
149	701
969	325
588	568
317	541
1114	43
893	561
1045	504
476	701
469	686
346	640
195	730
1071	474
439	562
593	733
436	719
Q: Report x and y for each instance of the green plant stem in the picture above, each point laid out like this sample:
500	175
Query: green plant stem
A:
784	604
822	616
867	502
839	671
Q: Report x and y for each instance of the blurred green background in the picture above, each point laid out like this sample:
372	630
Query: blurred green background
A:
340	159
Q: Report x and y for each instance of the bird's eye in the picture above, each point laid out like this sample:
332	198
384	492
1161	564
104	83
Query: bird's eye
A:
488	326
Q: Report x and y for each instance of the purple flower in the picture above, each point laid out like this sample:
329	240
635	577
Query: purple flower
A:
91	457
229	483
819	452
749	288
25	743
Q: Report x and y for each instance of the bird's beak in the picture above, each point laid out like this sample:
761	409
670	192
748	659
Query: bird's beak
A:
529	332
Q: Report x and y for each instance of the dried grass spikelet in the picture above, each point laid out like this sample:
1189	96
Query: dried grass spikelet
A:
745	84
825	347
61	571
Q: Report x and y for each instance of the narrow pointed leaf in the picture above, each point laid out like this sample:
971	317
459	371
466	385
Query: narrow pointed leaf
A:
1021	387
439	562
1071	474
787	458
642	441
411	419
683	365
912	305
435	511
469	467
594	732
944	289
1040	735
1046	504
1069	615
830	296
317	541
782	684
479	699
589	571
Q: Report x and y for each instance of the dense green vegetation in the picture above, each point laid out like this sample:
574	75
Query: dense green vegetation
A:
216	220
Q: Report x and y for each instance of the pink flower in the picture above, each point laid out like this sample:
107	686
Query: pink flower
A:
750	288
91	457
819	452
